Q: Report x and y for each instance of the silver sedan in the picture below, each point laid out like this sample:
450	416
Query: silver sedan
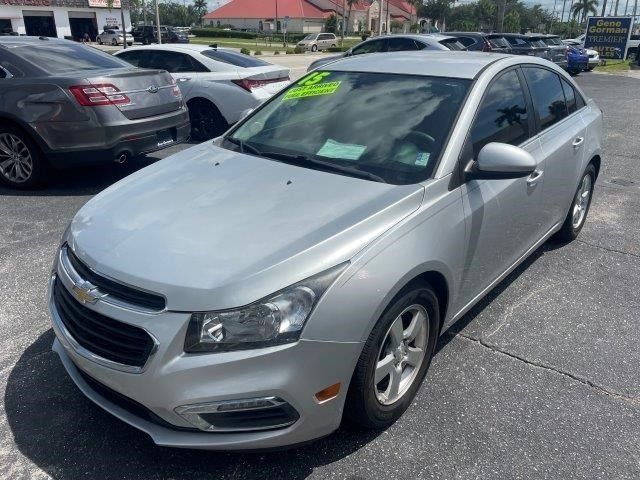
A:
256	291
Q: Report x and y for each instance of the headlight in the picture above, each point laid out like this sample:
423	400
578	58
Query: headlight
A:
274	320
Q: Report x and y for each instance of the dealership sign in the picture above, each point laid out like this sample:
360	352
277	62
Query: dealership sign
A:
609	36
104	4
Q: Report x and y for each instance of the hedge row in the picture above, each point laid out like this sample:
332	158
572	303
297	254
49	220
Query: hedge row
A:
220	33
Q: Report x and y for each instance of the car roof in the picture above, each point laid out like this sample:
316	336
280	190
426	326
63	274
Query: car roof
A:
25	41
178	47
443	63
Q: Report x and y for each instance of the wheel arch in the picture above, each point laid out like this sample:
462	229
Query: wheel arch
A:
203	99
16	122
596	161
437	281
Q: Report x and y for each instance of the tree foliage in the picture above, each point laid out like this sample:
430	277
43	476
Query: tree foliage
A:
483	15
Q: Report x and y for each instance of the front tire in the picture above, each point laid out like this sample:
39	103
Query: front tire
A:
395	359
314	48
580	205
21	162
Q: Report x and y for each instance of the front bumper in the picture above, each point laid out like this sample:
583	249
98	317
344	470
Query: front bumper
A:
171	379
92	144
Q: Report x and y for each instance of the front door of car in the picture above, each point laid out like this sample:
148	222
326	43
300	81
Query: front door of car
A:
504	217
562	137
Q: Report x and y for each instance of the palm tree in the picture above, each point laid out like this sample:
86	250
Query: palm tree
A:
200	7
351	3
584	8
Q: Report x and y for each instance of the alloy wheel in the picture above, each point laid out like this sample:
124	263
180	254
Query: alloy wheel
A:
401	354
16	162
581	202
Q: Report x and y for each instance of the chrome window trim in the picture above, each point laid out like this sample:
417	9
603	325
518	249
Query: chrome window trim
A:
71	344
74	278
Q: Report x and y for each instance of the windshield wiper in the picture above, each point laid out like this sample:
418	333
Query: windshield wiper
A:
298	159
243	146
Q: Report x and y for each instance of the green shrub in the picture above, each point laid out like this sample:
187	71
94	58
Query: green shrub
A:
298	50
276	52
245	51
220	33
366	34
290	51
258	52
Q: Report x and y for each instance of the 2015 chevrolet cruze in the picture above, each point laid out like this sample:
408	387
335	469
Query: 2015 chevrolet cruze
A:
252	292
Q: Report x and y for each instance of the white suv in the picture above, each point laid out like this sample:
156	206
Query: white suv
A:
217	84
318	41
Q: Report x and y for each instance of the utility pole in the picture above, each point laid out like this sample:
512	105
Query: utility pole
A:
276	16
626	8
381	7
633	19
564	2
344	21
616	9
124	27
144	12
158	23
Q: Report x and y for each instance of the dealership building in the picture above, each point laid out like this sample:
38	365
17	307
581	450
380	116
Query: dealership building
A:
61	18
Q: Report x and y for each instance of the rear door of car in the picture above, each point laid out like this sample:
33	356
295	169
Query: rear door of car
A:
504	217
402	44
562	136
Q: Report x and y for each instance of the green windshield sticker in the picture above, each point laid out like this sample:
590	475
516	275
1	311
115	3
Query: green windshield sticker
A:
311	86
306	91
343	151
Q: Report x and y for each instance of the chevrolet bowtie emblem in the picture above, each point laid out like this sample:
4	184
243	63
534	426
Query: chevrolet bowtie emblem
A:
86	293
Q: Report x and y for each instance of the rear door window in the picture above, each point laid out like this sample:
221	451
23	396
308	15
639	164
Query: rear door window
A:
135	57
467	41
498	42
547	95
174	62
400	44
373	46
502	116
570	97
453	44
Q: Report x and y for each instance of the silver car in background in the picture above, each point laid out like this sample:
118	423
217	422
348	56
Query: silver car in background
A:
396	43
318	41
64	104
113	37
257	290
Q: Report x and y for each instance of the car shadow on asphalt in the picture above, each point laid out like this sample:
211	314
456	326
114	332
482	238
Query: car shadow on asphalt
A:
67	436
87	180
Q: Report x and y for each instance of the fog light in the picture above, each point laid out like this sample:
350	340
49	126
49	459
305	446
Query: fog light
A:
240	415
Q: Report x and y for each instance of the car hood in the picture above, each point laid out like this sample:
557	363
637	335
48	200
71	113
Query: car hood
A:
210	228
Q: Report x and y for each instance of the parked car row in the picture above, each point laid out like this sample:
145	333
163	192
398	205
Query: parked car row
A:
86	106
570	57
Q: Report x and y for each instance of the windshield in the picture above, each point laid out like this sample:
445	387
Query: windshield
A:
386	127
60	58
310	37
453	44
554	41
498	42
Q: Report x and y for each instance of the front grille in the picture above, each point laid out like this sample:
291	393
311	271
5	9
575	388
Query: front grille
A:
117	290
103	336
128	404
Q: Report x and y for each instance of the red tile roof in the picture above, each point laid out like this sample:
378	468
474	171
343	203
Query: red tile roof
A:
262	9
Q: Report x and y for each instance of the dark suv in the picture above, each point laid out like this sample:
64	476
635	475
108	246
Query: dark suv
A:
64	104
147	34
526	45
483	42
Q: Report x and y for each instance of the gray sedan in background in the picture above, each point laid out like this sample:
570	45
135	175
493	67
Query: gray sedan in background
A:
64	104
253	291
396	43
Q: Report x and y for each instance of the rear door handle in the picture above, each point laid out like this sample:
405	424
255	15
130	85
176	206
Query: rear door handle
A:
535	177
577	142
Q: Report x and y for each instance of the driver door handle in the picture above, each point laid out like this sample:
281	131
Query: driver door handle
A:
577	142
534	178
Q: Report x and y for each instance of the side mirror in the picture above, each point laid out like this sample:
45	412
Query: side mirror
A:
501	161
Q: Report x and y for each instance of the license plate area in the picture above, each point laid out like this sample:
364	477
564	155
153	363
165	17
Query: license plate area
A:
166	137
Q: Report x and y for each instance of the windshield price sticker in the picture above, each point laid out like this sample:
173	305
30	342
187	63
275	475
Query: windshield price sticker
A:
312	87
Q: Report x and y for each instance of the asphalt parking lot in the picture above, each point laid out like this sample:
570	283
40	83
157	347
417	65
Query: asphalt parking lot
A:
540	380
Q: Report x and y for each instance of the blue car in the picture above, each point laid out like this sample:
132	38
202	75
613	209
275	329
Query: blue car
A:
577	60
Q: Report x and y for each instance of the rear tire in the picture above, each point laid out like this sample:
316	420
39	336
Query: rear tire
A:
22	164
206	120
145	41
114	42
377	404
99	41
577	216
